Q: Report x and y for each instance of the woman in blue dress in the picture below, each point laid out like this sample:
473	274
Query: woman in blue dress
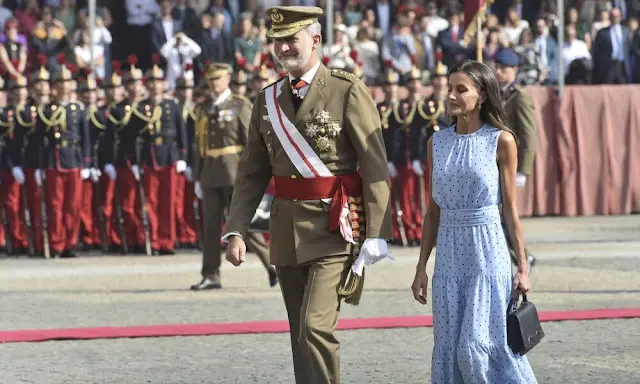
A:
473	173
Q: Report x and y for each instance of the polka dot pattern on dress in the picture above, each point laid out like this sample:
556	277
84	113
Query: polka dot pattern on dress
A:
472	278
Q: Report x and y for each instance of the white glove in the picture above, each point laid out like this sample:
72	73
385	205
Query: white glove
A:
417	167
85	173
189	174
110	170
393	172
198	190
372	251
95	175
521	179
18	175
136	172
37	175
181	166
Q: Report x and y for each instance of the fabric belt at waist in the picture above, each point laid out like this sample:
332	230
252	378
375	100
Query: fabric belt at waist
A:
337	188
470	217
228	150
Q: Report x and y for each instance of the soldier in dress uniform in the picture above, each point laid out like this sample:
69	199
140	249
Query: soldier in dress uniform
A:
186	202
521	118
388	112
65	158
430	117
26	117
131	115
239	79
222	122
92	221
162	148
12	232
405	115
310	131
260	80
113	115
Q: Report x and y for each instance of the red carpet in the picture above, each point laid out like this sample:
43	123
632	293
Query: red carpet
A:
273	326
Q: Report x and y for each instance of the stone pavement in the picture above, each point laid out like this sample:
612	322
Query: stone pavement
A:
582	263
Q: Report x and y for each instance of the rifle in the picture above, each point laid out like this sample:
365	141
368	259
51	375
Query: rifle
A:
44	215
399	214
116	198
145	214
27	220
99	198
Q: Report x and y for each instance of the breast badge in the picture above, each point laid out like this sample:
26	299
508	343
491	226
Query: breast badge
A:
323	130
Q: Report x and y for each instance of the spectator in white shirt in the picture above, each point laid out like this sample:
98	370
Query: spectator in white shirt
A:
573	49
178	51
82	54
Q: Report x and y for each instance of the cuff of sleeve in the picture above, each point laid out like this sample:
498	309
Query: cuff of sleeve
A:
226	236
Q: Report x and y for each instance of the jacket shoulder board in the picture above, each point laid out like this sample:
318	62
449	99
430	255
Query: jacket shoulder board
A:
344	75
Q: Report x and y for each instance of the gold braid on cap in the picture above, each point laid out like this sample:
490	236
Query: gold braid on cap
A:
297	24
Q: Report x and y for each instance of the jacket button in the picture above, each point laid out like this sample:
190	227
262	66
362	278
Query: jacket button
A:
293	176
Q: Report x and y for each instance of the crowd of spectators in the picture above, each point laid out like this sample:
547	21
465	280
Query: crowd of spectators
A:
602	39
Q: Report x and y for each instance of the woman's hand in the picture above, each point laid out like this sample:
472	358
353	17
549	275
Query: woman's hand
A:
420	286
521	282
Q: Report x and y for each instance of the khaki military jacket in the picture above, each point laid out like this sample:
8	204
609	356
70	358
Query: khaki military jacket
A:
300	229
221	136
521	118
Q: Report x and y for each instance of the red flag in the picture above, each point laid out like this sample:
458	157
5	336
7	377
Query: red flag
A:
471	7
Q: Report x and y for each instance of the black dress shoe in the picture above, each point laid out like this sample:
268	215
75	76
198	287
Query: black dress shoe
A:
167	252
67	254
273	277
206	284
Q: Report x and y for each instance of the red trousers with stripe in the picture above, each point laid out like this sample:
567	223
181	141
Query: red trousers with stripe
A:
64	197
160	194
185	218
87	214
130	204
411	215
10	196
33	202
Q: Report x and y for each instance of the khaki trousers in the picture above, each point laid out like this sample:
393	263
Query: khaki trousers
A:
310	293
214	202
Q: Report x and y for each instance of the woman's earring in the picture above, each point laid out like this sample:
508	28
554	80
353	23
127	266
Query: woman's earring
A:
479	107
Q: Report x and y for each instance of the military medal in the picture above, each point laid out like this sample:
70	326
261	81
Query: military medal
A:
312	130
322	143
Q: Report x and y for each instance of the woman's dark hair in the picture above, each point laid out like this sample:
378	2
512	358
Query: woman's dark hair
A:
486	84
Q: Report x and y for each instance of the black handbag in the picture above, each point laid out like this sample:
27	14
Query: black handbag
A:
524	330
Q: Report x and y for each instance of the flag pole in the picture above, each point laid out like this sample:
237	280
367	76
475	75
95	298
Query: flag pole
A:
479	43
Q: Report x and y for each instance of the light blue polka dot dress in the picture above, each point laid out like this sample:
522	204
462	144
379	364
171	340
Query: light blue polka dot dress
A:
472	278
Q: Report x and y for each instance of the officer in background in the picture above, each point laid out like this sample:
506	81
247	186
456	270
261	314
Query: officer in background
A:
521	118
186	202
261	79
65	154
430	118
162	152
222	124
240	79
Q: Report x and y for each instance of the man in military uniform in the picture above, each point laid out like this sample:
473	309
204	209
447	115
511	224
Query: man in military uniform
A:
390	121
91	219
65	160
185	197
239	79
521	118
408	112
260	80
13	235
309	131
113	114
222	123
26	116
430	118
163	150
132	121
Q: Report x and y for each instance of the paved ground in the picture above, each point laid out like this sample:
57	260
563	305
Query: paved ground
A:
583	263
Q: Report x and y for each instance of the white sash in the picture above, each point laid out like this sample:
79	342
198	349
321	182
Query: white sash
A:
303	157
